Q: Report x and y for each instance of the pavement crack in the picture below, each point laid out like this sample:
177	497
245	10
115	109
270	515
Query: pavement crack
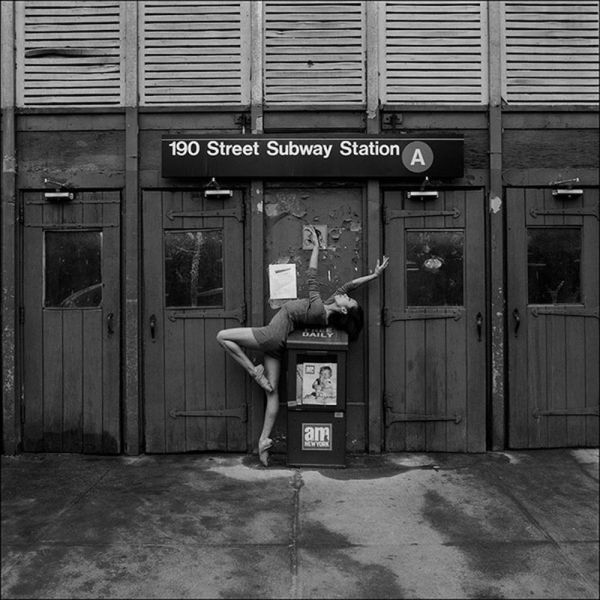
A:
297	482
549	537
40	535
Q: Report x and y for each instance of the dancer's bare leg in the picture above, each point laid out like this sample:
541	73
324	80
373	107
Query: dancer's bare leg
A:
232	341
272	371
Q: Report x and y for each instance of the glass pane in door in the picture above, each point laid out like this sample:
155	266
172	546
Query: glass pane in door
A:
434	268
194	268
73	269
553	265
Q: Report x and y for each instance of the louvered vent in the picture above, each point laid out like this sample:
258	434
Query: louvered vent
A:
69	53
195	53
551	51
435	52
314	53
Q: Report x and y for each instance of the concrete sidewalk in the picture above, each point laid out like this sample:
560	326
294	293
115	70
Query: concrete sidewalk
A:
495	525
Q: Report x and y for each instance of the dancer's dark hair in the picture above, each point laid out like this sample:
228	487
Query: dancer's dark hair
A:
351	322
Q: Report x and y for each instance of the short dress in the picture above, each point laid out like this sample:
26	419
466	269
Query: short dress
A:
294	314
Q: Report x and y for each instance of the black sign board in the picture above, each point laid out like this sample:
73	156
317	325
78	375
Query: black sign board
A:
201	156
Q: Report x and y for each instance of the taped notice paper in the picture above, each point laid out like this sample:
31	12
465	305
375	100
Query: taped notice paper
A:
282	282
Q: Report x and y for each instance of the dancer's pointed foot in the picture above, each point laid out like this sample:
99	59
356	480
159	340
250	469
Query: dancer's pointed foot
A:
263	447
259	376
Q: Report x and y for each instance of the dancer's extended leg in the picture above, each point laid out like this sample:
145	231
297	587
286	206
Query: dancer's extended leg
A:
232	340
272	369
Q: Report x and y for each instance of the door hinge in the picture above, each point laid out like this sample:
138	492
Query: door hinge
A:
389	315
21	315
20	214
395	417
566	311
210	313
562	212
237	213
389	214
236	413
575	412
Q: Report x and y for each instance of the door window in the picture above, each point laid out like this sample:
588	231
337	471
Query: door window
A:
73	269
434	267
553	265
194	268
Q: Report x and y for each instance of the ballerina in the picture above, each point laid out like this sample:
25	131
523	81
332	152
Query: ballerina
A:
338	311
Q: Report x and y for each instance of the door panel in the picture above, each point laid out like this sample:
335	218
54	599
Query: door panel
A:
553	342
195	397
435	322
71	324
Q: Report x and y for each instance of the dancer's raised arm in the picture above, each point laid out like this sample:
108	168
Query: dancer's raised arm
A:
377	271
314	257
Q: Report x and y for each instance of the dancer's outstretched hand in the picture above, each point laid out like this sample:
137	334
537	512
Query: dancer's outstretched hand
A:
313	236
379	268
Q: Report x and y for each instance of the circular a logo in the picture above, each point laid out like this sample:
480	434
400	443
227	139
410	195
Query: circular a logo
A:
417	157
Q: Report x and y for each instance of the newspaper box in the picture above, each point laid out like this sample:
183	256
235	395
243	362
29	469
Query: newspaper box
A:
316	397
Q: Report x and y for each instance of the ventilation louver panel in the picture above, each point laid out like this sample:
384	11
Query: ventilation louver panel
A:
435	53
314	53
69	53
195	53
551	52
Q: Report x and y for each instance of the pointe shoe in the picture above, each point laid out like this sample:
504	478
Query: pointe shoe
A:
259	376
263	447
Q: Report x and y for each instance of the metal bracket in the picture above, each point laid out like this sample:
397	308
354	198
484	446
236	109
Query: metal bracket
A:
237	213
578	412
390	214
243	120
422	195
567	194
389	315
566	312
237	313
391	120
570	212
234	413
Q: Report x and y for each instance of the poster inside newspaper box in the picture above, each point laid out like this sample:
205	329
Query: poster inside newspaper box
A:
316	383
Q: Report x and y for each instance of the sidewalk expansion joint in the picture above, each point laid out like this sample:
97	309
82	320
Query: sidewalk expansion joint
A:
583	470
296	483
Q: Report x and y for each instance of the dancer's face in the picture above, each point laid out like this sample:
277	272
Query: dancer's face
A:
344	301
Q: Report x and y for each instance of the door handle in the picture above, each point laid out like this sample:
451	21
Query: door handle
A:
517	319
110	323
479	322
153	326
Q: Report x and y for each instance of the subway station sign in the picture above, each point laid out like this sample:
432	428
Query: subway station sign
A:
201	156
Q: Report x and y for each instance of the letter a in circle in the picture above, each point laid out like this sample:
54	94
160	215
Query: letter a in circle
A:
417	158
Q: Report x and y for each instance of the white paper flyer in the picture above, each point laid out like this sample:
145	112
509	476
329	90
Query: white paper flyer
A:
282	281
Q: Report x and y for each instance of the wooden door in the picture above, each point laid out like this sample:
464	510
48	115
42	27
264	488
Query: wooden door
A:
435	320
552	303
194	396
71	323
